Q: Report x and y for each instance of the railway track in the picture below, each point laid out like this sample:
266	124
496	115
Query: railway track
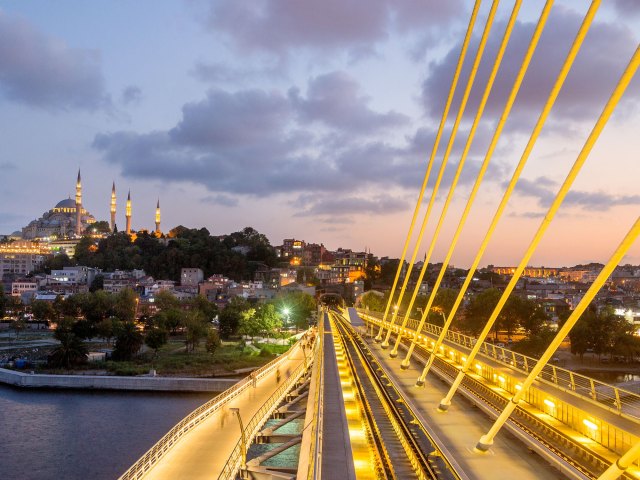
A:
403	447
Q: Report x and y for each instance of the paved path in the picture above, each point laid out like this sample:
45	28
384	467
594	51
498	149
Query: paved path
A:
204	451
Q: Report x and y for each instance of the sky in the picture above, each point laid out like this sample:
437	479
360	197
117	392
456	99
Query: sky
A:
315	120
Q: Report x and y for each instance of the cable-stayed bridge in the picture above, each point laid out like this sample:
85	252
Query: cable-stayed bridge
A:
388	396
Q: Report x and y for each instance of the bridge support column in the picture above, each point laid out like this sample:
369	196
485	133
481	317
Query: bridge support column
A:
445	403
393	353
486	441
405	364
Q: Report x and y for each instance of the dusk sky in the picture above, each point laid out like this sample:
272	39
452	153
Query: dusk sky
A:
312	120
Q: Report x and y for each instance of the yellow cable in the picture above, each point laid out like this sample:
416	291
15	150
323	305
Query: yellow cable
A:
454	183
452	138
487	440
564	189
544	15
436	143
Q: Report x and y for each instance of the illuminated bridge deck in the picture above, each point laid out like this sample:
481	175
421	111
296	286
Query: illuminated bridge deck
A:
203	453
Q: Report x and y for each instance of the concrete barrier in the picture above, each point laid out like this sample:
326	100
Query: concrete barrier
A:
105	382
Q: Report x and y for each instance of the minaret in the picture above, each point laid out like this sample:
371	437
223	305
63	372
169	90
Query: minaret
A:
113	207
128	213
158	217
78	206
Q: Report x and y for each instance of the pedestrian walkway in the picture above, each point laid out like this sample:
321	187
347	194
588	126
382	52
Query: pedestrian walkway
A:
204	451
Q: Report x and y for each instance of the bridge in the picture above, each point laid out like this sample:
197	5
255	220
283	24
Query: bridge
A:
385	395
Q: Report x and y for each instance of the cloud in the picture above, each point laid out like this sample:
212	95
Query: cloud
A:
542	189
222	200
628	7
334	99
43	72
588	85
220	73
282	25
131	95
333	206
8	166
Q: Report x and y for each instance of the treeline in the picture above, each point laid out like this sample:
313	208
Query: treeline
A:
236	255
116	317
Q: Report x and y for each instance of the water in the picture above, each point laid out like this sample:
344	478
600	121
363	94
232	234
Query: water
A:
64	434
609	376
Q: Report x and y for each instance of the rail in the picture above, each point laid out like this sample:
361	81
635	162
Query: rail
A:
155	453
614	399
234	461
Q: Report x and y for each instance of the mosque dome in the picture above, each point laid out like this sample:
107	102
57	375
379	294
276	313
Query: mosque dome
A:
66	203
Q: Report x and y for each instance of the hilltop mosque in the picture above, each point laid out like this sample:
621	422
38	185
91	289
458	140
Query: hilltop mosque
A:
69	219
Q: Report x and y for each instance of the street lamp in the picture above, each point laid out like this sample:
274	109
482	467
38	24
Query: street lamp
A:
243	443
286	312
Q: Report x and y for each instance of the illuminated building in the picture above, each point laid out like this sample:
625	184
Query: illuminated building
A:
67	218
22	257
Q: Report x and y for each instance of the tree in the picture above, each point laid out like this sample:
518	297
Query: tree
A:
213	341
105	329
373	301
128	342
42	310
125	305
231	316
269	321
196	329
155	339
100	226
249	323
479	309
71	351
300	306
165	300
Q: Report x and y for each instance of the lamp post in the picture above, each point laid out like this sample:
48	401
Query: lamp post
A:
243	443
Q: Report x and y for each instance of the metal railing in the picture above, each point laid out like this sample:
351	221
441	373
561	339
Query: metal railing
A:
315	462
155	453
621	401
234	461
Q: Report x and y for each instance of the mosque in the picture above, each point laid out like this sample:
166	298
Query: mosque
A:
68	219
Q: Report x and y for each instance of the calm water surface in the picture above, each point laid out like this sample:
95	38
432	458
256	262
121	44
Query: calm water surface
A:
65	434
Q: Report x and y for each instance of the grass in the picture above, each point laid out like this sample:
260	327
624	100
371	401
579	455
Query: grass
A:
172	359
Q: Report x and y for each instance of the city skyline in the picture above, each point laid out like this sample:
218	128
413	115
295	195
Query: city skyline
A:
319	132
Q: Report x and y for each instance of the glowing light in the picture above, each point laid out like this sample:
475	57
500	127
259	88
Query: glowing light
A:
590	425
478	366
518	387
463	359
501	379
549	403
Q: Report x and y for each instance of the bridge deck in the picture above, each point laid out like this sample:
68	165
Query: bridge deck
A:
460	428
337	458
203	452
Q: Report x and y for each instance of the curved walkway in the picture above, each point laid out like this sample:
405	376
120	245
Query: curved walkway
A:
203	452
